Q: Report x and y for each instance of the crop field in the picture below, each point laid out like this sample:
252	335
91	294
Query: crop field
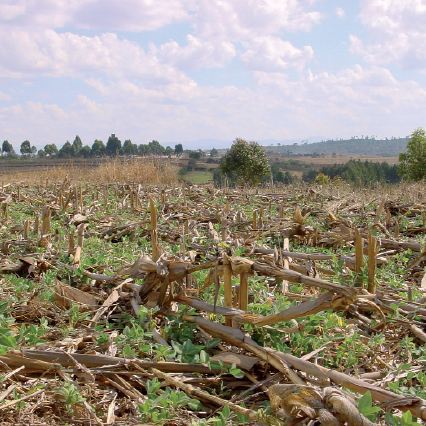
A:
198	177
137	170
126	300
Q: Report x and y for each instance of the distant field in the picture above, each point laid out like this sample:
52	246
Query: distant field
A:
328	160
21	169
198	177
207	166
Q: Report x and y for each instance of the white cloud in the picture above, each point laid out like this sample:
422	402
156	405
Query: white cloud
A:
197	53
4	97
174	92
391	15
32	119
370	99
208	16
221	29
145	93
274	54
38	13
238	19
104	15
129	15
357	99
10	11
49	53
398	32
340	12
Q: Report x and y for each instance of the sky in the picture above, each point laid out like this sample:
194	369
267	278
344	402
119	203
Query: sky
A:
204	72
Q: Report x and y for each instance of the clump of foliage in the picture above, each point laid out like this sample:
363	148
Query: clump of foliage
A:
357	172
162	405
412	164
245	163
7	149
322	179
279	175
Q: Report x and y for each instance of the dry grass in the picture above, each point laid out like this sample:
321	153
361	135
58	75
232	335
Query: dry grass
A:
135	170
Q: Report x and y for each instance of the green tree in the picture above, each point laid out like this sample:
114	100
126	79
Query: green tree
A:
77	145
113	146
192	163
129	148
245	163
67	150
143	149
85	151
51	150
280	176
26	148
196	155
41	153
7	149
98	149
412	163
155	148
214	152
358	172
178	149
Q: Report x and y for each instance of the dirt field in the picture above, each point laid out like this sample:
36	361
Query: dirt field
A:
126	303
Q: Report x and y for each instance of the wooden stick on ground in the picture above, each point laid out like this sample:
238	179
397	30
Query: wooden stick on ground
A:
372	250
417	406
227	282
244	290
359	258
192	390
43	361
286	265
154	233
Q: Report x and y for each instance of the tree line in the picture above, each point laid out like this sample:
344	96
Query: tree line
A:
77	149
246	163
357	172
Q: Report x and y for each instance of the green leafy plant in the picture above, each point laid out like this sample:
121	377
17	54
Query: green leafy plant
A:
162	405
71	396
366	407
32	334
75	315
405	420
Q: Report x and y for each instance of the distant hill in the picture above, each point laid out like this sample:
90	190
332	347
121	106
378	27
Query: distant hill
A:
379	147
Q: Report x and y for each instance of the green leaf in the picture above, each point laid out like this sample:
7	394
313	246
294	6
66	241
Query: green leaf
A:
365	402
236	372
204	357
366	407
6	338
407	419
177	347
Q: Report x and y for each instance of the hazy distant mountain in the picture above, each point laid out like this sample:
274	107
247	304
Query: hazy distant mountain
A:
354	146
367	146
226	143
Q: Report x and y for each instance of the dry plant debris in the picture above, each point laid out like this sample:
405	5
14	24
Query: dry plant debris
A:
124	303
